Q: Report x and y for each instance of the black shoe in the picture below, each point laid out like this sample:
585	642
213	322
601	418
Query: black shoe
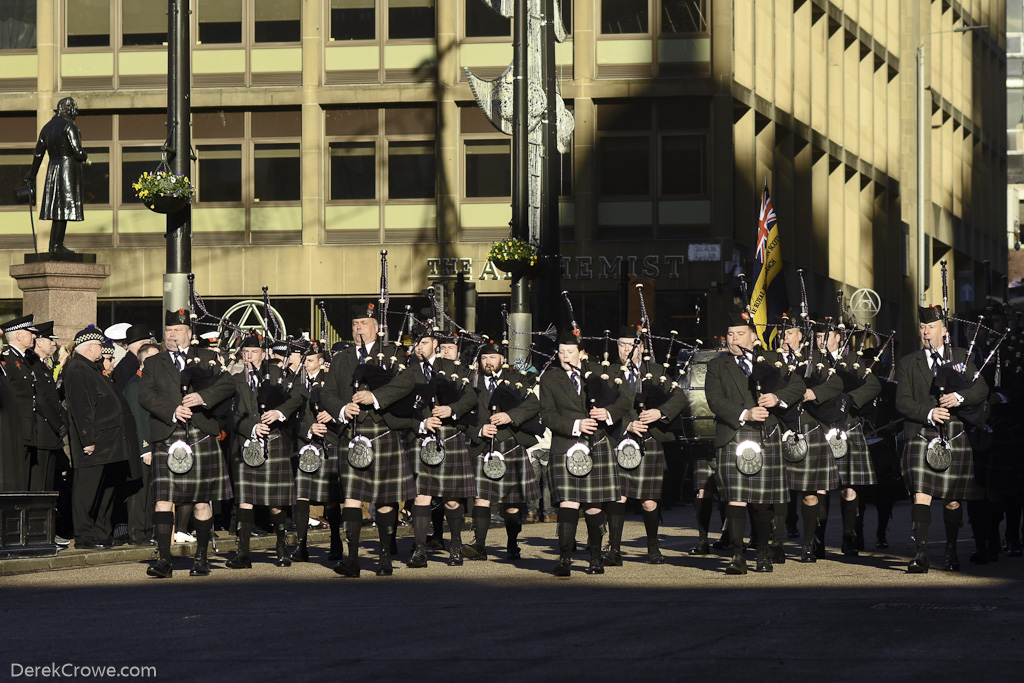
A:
882	542
474	551
721	544
807	555
776	553
596	565
435	543
1014	551
612	558
455	557
702	548
384	566
654	555
737	566
512	553
93	545
564	567
201	567
918	565
239	562
764	562
161	569
301	553
978	557
792	531
849	547
336	555
348	567
418	559
819	549
145	542
952	563
283	561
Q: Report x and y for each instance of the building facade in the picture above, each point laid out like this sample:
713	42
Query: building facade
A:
326	130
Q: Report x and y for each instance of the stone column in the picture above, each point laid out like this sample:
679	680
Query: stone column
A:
61	291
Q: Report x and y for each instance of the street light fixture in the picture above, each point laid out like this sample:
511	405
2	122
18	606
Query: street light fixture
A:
921	94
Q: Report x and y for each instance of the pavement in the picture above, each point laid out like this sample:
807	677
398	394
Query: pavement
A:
840	618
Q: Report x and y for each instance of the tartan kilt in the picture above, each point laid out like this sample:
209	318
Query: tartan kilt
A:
817	471
207	480
601	485
956	482
768	485
704	461
388	479
455	476
273	482
519	485
321	486
855	469
644	482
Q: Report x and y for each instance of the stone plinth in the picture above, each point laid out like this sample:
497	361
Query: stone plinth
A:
61	291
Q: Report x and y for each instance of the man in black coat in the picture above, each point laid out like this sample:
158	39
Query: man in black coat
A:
128	366
181	388
102	436
141	503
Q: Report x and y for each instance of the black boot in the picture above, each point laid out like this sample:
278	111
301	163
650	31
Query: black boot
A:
57	230
200	565
763	523
595	533
241	559
810	517
616	513
352	521
333	515
568	519
952	520
736	519
477	550
702	513
883	506
850	510
454	517
824	507
777	552
163	527
513	526
420	524
279	520
651	520
300	513
859	526
386	524
921	517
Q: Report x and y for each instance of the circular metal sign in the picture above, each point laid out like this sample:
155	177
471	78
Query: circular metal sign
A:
865	304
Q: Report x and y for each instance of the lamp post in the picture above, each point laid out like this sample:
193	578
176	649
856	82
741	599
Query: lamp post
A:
922	91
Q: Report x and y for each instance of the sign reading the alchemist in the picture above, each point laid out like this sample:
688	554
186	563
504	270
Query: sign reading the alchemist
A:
586	267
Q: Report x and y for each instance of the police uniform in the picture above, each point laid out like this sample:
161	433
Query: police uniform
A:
917	393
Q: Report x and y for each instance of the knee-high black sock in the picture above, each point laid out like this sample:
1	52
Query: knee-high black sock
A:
386	522
994	518
420	524
513	525
651	520
595	530
810	514
978	518
849	510
780	510
163	528
455	516
736	521
481	523
246	516
568	519
763	523
858	527
437	517
204	528
352	520
300	513
280	520
952	520
616	520
702	513
333	515
824	508
884	509
921	516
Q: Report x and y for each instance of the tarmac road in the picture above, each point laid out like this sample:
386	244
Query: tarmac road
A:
834	620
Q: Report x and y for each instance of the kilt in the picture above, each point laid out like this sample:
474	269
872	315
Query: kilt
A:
768	485
273	482
519	485
206	481
956	482
455	476
817	471
321	486
388	479
601	485
855	469
704	461
644	482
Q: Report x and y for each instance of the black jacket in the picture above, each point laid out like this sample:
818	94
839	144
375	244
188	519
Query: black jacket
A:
161	393
98	416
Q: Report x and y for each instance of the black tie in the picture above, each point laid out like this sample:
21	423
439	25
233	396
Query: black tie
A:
254	382
490	385
936	362
363	353
427	370
632	377
179	360
744	365
576	381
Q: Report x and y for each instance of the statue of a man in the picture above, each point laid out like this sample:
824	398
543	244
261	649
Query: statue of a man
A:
62	190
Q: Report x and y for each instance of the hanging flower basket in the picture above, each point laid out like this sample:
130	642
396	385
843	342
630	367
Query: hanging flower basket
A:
515	256
164	192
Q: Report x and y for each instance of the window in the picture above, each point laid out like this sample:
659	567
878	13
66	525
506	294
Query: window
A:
410	19
14	166
1015	67
144	22
277	21
484	22
683	165
220	21
276	172
684	16
18	24
96	176
625	163
411	170
353	20
489	168
88	23
134	162
353	170
624	16
1013	45
220	173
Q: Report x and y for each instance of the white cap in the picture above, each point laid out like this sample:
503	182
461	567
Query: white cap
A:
117	332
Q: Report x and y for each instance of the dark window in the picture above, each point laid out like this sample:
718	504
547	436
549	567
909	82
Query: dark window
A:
353	170
408	19
18	24
134	162
144	22
683	165
488	167
626	116
1014	167
14	166
277	21
411	170
623	16
566	7
684	16
220	173
353	20
88	23
276	172
482	21
220	21
625	166
96	176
